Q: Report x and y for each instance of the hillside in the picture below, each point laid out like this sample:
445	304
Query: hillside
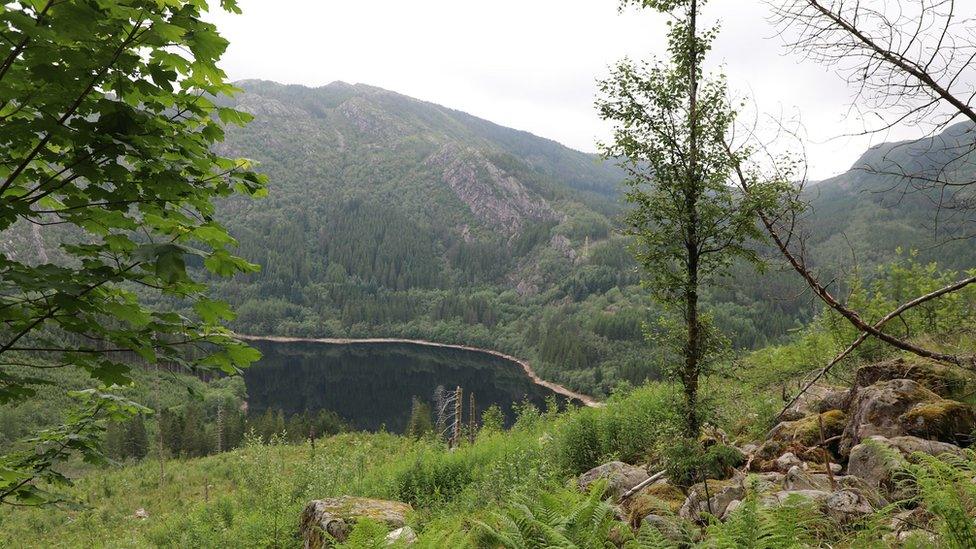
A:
879	209
392	217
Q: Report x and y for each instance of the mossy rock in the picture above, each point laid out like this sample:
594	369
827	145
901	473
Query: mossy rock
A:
806	431
938	378
657	499
945	420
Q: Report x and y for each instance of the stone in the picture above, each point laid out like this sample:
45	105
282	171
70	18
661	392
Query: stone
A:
667	527
944	420
798	479
876	461
787	461
902	407
847	506
817	399
806	431
844	506
660	498
720	493
735	504
620	477
935	377
325	520
401	536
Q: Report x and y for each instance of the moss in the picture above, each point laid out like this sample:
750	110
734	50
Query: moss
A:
942	419
658	499
806	431
938	378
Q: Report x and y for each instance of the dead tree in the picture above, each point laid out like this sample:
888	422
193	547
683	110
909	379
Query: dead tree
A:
220	428
472	419
441	402
911	63
458	420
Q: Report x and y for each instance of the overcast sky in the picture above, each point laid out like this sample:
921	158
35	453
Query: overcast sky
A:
527	64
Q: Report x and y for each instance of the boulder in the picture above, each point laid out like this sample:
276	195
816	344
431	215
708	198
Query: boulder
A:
798	479
668	528
326	520
844	506
944	419
787	461
847	506
877	460
401	536
902	407
712	499
806	431
817	399
660	498
620	477
935	377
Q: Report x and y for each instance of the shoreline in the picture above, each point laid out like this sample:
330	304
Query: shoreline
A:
526	368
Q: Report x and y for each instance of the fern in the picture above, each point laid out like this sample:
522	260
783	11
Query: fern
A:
794	523
946	489
565	519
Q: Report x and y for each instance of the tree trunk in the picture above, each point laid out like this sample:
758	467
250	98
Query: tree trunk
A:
693	351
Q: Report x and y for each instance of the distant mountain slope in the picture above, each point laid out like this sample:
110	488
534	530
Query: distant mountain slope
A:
873	209
405	193
393	217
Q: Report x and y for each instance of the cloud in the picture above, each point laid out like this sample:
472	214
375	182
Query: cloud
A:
528	64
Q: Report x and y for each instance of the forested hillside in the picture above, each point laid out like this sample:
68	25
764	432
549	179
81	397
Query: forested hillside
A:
390	216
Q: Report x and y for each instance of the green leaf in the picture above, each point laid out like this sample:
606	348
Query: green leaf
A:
213	311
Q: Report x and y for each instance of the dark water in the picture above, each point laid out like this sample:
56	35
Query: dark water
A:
372	384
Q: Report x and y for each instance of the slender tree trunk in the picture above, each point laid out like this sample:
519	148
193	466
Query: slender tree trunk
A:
693	351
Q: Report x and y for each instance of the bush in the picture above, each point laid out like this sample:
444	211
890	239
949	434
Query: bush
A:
633	427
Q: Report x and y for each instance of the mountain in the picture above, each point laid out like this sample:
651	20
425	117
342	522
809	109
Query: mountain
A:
885	201
405	193
393	217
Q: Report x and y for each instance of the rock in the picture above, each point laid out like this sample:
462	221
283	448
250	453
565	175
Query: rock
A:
326	519
620	476
787	461
945	420
749	449
401	536
876	461
910	525
935	377
847	506
819	398
730	509
660	498
667	527
141	514
844	506
806	431
901	407
798	479
721	492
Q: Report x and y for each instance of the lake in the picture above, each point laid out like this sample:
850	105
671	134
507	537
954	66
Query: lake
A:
372	385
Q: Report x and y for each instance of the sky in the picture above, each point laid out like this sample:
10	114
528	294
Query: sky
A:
531	64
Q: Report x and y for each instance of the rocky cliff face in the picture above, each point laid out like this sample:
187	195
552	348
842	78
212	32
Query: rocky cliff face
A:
495	198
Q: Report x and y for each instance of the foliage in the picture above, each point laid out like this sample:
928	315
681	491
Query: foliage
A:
108	131
670	125
946	490
27	475
794	523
